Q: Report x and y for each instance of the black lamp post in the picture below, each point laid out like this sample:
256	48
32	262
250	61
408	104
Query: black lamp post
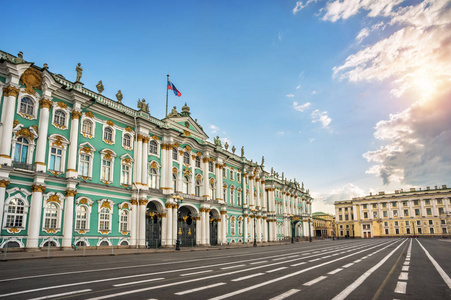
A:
309	232
353	231
177	242
255	230
292	230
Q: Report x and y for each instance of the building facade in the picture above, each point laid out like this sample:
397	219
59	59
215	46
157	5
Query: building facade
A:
405	213
323	224
78	168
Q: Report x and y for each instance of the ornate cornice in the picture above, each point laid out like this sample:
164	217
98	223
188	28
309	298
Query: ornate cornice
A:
38	188
76	114
10	91
4	183
45	103
134	202
71	193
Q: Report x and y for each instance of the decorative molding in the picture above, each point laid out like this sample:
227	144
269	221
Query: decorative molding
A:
4	183
32	79
76	114
10	91
38	188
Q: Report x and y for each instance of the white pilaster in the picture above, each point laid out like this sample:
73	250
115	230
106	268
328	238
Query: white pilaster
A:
34	223
9	104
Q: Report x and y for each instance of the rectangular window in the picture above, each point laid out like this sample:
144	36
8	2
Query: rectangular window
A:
346	217
386	231
430	222
125	174
407	223
375	214
384	204
418	223
427	202
417	212
396	223
340	217
364	206
397	231
406	213
84	165
232	226
224	173
124	221
415	202
374	205
55	159
439	201
106	170
238	177
393	204
365	215
404	203
441	211
385	213
395	213
431	230
385	224
428	211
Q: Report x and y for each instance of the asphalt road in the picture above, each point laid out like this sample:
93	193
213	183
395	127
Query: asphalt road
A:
344	269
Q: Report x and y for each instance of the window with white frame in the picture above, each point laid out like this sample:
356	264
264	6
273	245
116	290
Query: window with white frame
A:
238	197
197	162
185	184
153	178
106	170
15	213
126	173
232	226
108	134
212	190
224	174
174	154
56	157
174	182
232	192
81	217
21	150
59	118
87	127
198	188
51	215
123	223
224	193
240	227
211	167
127	141
153	147
231	174
104	219
186	158
27	106
238	177
85	164
107	165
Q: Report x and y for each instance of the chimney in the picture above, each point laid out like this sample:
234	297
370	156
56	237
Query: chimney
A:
396	191
444	186
428	188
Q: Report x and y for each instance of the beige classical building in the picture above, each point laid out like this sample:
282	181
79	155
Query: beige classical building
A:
323	224
415	212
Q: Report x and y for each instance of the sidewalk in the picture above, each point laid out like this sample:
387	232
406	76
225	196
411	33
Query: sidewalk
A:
113	251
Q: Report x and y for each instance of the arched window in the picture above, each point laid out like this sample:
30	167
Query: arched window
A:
108	134
127	142
153	147
81	218
185	184
231	174
238	197
238	177
21	151
26	106
87	127
51	216
174	153
232	226
104	219
224	193
240	227
174	182
153	178
60	118
186	158
197	162
198	186
15	214
210	167
124	220
232	192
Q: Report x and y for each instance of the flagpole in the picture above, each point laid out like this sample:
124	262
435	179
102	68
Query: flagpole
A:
167	96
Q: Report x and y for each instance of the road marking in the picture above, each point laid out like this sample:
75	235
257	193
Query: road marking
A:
286	294
237	266
405	268
275	270
348	290
312	260
316	280
200	288
248	276
137	282
403	276
195	273
327	256
401	287
437	266
62	294
298	264
237	292
280	258
335	271
258	262
406	263
347	265
357	261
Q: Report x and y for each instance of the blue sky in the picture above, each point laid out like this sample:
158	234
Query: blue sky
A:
350	97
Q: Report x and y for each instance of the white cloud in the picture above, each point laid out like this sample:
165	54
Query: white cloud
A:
362	34
300	5
344	9
326	200
214	129
298	87
314	92
290	95
300	107
311	140
321	117
279	36
224	140
281	132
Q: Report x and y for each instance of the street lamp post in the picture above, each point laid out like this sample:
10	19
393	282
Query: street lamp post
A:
353	231
309	232
292	229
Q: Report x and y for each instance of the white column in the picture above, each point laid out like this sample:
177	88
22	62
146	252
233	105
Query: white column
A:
251	192
3	185
68	218
169	225
193	179
142	222
169	164
43	127
224	226
164	230
265	230
199	230
207	228
133	217
175	228
434	207
34	221
245	227
181	175
72	160
9	104
164	168
144	153
138	160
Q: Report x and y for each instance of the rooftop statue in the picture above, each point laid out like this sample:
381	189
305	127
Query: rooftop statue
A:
233	149
19	58
143	106
263	160
119	96
46	66
242	151
79	70
226	145
99	87
218	141
173	113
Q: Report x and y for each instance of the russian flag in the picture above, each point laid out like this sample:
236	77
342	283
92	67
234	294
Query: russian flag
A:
172	87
